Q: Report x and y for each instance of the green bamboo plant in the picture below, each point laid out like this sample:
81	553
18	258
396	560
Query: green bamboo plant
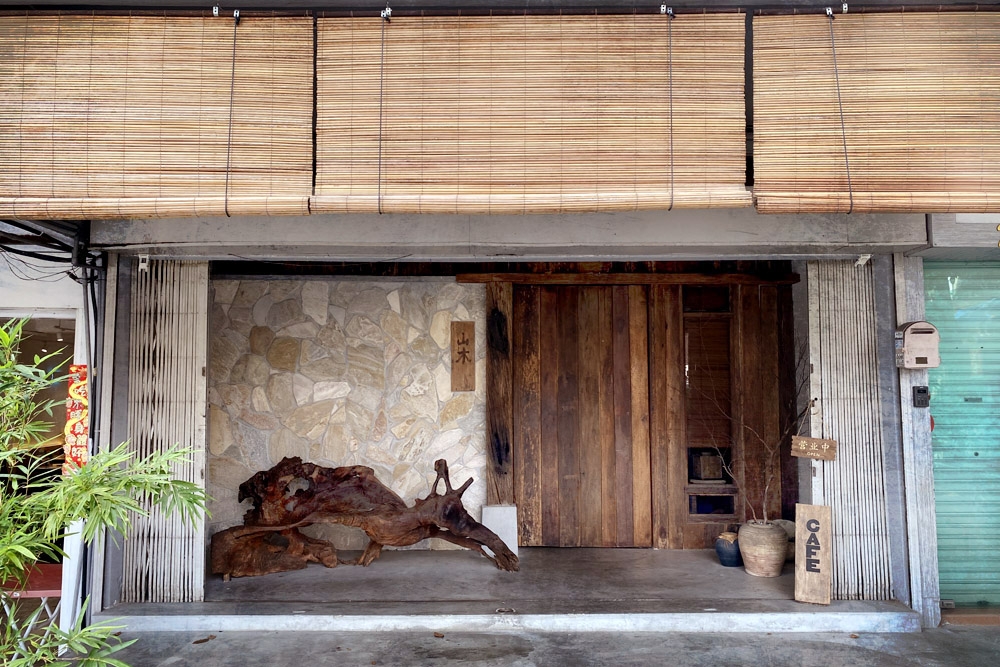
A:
37	507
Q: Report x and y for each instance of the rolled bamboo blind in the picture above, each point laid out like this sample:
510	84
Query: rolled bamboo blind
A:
921	113
530	114
108	117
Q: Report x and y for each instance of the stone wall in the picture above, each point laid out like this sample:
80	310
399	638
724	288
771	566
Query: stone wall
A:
342	372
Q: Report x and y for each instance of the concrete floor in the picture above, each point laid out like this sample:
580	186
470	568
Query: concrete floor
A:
942	647
557	590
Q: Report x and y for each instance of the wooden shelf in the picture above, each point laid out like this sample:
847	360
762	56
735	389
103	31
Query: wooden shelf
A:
721	489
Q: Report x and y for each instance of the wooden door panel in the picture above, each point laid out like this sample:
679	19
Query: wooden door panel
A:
591	506
606	409
612	385
623	414
565	349
548	369
526	419
642	501
583	436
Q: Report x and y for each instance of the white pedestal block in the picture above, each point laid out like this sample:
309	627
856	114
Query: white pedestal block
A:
502	520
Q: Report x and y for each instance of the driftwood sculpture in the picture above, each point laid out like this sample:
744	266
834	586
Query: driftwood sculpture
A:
293	494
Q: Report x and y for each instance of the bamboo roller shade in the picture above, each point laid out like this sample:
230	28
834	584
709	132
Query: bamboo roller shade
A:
921	109
530	114
129	116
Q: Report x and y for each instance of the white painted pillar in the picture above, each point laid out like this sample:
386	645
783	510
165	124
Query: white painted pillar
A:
72	564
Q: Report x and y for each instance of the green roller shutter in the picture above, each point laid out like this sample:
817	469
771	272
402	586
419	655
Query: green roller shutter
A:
963	301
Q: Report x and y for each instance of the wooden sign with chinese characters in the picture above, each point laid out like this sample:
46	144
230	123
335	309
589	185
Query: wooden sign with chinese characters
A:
463	356
813	545
814	448
76	431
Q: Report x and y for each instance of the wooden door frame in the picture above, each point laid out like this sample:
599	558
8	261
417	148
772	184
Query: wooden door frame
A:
667	412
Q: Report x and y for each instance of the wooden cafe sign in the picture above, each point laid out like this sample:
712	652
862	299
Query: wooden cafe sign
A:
813	555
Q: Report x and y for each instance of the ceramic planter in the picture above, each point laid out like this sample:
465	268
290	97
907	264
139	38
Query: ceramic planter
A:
763	547
727	548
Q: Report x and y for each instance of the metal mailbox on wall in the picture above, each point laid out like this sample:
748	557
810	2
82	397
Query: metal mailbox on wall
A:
917	345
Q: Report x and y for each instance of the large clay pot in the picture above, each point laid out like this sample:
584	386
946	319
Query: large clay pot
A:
763	547
789	527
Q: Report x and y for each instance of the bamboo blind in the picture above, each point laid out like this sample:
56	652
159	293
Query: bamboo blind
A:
530	114
921	113
130	116
164	558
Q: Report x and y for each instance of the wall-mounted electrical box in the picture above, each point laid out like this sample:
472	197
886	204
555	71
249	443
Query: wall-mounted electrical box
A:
917	345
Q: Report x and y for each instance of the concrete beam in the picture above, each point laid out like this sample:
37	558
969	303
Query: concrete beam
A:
963	236
642	235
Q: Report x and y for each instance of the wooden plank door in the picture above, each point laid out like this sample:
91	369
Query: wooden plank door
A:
581	415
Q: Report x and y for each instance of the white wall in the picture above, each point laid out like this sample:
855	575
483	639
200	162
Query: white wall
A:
28	297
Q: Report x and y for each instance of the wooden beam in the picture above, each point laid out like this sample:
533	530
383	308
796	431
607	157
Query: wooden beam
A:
588	278
499	397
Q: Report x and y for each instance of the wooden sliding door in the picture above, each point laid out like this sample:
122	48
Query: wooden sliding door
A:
641	414
581	415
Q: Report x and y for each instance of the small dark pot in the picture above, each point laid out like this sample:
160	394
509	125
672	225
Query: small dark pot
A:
727	548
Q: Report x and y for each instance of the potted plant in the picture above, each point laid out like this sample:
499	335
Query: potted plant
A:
36	508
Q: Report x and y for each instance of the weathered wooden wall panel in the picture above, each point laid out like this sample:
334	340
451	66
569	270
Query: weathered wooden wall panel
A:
499	413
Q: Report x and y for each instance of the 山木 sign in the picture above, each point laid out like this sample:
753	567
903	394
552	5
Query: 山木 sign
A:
463	356
813	562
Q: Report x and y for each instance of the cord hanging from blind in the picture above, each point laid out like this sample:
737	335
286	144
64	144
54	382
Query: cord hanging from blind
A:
670	96
840	106
232	96
386	14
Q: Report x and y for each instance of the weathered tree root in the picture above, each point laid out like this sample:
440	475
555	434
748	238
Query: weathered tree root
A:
294	494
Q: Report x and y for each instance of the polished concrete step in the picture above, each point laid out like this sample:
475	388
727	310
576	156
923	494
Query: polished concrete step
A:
556	590
854	617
